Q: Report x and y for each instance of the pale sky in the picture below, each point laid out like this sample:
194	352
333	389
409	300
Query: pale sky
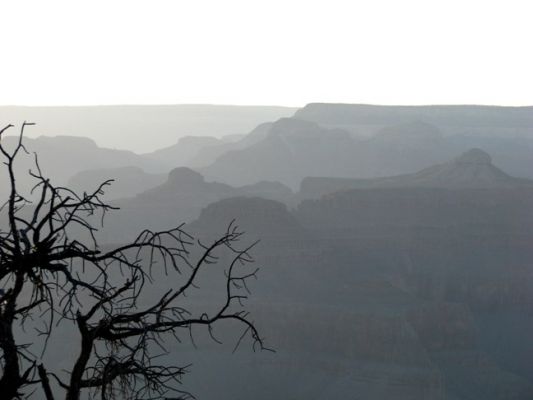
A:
266	52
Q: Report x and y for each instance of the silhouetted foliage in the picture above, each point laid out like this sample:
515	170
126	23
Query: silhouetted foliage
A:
49	273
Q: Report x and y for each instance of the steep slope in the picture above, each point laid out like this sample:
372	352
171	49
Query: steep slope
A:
290	149
463	251
185	150
512	153
472	169
179	199
208	155
381	292
201	151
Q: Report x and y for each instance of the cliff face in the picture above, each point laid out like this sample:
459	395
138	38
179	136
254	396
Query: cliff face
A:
397	293
463	254
455	245
411	287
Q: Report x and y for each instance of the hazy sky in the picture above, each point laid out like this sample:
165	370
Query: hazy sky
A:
266	52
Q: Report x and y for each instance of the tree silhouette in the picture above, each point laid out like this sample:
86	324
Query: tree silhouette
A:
53	270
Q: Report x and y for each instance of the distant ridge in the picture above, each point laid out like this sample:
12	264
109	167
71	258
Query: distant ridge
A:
142	128
370	113
451	119
472	169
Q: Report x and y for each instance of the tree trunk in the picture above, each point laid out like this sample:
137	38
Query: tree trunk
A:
76	377
10	381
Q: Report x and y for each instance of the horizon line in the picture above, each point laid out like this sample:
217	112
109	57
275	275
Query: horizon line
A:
92	105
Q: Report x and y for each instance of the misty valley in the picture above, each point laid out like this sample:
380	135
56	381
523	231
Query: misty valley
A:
394	248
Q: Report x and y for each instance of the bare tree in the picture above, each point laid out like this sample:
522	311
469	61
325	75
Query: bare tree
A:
48	273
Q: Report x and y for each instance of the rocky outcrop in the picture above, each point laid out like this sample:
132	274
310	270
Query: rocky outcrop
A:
290	150
472	169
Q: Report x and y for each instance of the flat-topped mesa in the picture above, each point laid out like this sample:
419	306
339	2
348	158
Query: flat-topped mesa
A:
184	176
261	216
451	118
185	183
77	141
474	157
48	143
